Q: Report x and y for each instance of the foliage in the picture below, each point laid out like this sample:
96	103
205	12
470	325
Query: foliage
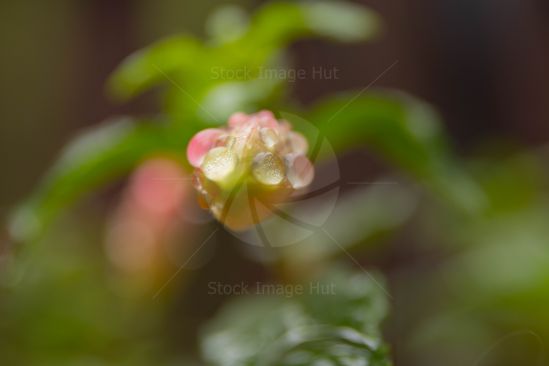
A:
334	320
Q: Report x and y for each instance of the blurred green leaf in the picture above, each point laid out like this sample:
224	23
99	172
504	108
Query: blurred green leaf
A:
60	306
154	64
278	23
226	98
198	74
104	153
335	320
359	217
407	133
227	23
491	294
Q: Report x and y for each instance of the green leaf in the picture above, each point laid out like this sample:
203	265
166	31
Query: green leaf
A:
359	217
345	22
335	319
407	133
278	23
227	23
96	157
226	98
154	64
197	75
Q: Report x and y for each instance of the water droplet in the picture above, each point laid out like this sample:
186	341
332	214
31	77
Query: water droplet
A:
300	171
218	164
268	169
201	143
269	137
298	143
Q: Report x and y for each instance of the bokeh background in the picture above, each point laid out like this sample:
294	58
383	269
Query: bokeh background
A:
482	64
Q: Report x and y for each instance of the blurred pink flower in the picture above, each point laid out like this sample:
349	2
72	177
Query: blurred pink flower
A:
146	222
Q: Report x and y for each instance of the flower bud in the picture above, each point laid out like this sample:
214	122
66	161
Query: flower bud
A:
243	169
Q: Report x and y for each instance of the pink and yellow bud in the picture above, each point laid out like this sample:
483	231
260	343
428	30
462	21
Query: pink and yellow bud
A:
255	158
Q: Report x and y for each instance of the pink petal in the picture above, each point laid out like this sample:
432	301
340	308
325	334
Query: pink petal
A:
238	118
266	119
200	144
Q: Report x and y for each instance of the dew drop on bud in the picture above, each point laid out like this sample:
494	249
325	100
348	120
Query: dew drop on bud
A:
268	169
218	164
300	171
269	137
266	118
200	144
298	143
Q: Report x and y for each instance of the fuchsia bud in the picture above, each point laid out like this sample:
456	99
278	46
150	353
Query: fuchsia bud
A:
255	157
